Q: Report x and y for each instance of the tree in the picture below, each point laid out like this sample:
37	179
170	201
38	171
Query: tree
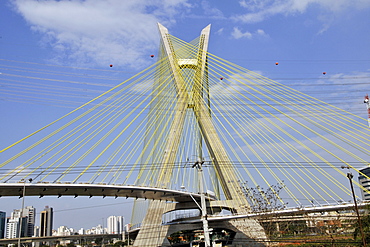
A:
98	241
365	222
262	200
71	244
118	244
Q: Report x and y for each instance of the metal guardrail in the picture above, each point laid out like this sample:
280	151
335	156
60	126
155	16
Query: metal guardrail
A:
58	238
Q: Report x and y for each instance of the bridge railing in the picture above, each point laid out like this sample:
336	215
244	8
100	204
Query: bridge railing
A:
180	214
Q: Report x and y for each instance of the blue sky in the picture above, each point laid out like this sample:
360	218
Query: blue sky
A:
70	45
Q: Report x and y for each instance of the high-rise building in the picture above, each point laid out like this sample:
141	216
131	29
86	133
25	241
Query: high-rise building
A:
13	225
26	218
2	224
115	224
46	222
365	182
30	213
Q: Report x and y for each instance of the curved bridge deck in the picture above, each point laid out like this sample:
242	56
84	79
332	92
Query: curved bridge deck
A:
90	190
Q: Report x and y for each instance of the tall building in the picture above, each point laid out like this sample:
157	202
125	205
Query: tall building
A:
13	225
365	182
18	217
2	224
30	213
46	222
115	224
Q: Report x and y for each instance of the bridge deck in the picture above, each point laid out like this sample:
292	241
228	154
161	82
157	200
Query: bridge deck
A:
289	212
65	189
59	238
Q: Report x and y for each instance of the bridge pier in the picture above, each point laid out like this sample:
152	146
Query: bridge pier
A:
153	233
248	232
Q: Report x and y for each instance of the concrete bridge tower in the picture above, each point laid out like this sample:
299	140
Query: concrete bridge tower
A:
152	232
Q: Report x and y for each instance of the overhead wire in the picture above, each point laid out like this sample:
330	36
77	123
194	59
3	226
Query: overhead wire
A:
267	127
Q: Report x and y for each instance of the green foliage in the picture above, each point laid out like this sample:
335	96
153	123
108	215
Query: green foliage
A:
119	243
98	241
365	222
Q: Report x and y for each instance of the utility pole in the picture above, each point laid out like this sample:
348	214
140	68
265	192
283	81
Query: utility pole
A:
203	208
350	176
21	211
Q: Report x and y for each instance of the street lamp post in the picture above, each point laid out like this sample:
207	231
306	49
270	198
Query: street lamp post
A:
203	207
21	211
350	176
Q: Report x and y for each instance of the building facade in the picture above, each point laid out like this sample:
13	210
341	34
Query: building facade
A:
30	213
13	225
115	224
21	220
2	224
46	222
99	229
365	182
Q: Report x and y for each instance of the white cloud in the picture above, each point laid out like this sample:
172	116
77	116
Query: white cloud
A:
243	4
100	32
358	80
211	11
143	86
261	10
220	31
238	34
260	32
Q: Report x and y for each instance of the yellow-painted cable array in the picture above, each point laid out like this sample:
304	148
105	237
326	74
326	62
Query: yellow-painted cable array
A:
278	140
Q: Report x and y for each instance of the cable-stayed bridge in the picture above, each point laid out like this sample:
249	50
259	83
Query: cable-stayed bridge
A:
257	140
